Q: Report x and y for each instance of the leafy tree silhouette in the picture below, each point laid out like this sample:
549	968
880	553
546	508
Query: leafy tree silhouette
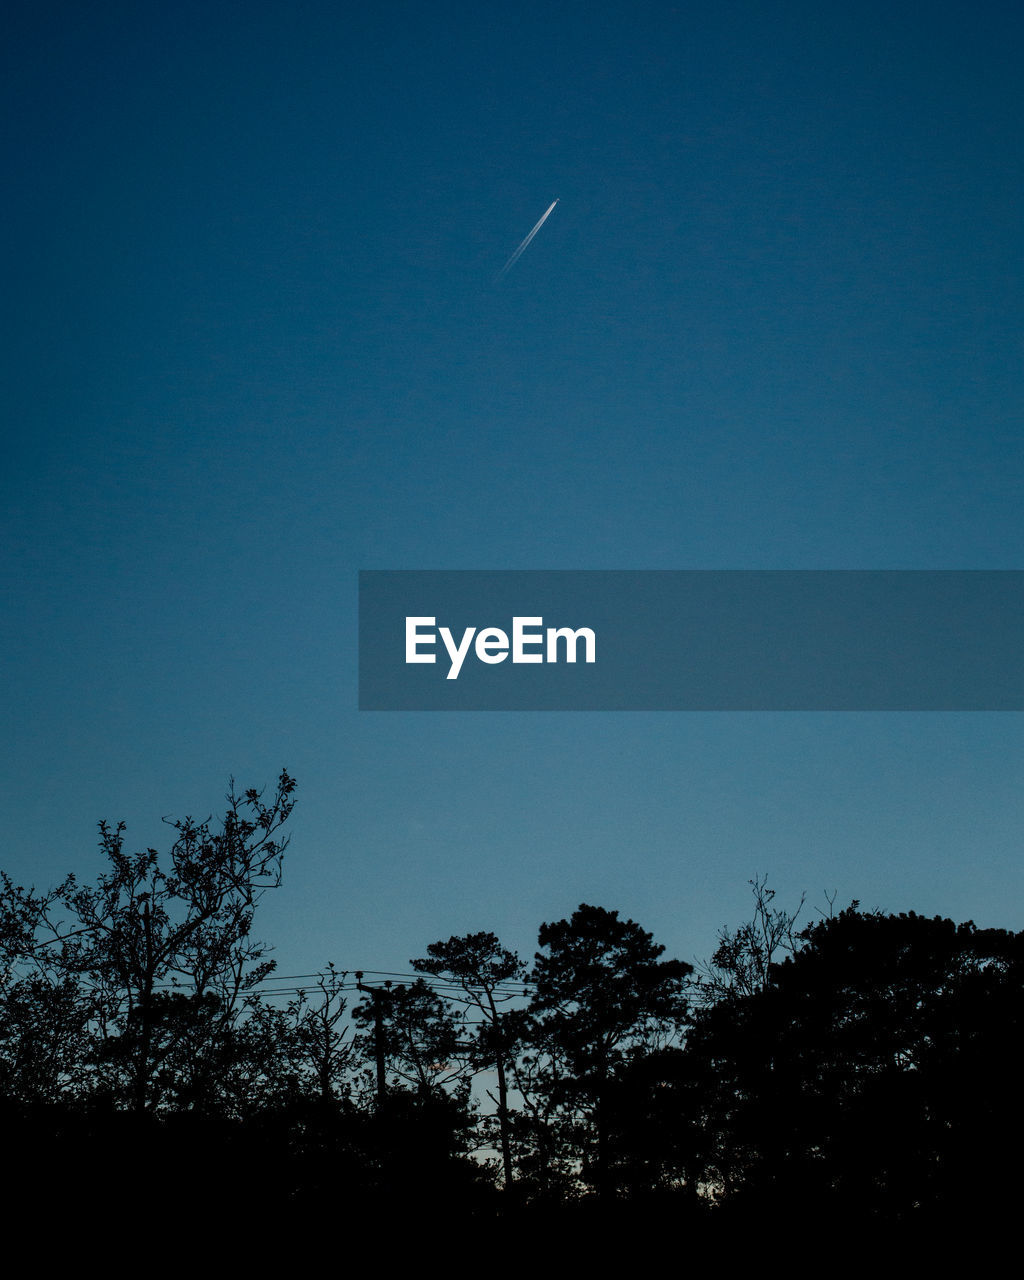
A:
482	967
149	924
742	961
874	1077
603	998
420	1035
414	1135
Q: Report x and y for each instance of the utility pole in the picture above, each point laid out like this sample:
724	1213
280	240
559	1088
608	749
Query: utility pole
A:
378	997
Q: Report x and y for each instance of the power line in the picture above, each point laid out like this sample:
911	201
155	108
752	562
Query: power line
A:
504	990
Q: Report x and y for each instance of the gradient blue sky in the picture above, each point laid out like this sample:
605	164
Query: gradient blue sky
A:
253	343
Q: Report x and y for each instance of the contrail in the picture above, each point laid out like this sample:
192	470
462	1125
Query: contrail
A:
523	247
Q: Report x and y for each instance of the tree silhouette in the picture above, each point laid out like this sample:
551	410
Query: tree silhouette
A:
875	1074
482	967
742	961
152	923
418	1036
320	1043
45	1037
603	997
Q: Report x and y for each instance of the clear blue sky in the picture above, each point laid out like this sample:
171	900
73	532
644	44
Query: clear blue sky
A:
253	343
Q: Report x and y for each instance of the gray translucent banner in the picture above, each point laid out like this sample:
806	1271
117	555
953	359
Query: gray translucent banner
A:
700	640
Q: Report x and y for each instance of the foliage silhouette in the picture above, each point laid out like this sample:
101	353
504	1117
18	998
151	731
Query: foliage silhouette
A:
863	1070
742	961
482	967
873	1077
420	1037
150	923
603	998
